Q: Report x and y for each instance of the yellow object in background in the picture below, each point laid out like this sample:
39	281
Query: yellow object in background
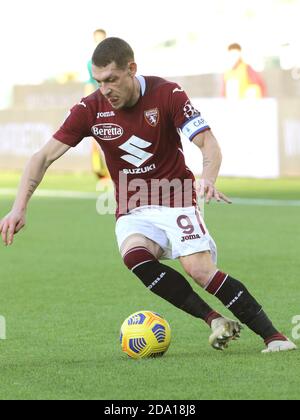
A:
98	161
238	83
241	81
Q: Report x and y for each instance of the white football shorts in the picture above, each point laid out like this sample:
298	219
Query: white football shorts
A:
179	231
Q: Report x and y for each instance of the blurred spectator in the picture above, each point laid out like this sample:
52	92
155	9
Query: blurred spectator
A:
91	85
98	160
241	81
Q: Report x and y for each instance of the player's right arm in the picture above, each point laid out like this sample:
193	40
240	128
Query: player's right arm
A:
31	179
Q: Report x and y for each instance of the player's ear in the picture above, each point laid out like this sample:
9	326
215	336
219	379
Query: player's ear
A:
132	69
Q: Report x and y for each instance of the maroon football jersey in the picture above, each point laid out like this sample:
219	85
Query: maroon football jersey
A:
142	144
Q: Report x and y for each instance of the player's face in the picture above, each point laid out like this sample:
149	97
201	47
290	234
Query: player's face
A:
118	86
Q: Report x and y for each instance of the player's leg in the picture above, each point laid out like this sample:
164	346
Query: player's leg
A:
234	295
223	329
141	256
195	248
139	240
187	235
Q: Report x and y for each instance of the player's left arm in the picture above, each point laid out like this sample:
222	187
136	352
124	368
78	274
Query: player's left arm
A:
189	121
212	160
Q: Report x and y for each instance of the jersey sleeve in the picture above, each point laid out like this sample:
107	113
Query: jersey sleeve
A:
185	116
76	127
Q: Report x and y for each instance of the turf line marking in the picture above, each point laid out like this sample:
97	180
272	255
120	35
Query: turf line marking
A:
265	202
93	196
54	194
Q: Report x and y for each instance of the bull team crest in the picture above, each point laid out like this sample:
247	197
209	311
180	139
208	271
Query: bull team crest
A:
152	117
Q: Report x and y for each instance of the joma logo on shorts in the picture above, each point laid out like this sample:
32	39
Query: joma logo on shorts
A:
190	238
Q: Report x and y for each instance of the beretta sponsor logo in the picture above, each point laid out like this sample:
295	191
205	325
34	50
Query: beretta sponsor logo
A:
108	131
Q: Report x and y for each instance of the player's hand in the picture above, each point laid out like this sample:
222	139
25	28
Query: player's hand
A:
11	225
207	190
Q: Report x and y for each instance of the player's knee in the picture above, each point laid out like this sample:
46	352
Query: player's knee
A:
201	275
199	268
137	257
140	241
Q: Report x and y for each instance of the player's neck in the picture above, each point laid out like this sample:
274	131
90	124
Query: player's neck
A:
136	94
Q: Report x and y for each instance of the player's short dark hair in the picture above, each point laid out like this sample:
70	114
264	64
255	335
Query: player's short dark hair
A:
235	46
113	50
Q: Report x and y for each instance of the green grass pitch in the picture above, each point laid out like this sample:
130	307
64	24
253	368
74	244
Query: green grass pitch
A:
65	292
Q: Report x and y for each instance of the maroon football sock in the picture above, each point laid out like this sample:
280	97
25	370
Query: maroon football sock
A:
234	295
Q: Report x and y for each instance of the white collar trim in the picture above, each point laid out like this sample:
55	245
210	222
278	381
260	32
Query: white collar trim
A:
142	82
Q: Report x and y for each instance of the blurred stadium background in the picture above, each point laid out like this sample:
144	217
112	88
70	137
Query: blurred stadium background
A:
44	73
64	289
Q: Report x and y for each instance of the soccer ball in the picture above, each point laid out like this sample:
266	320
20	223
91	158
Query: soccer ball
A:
145	334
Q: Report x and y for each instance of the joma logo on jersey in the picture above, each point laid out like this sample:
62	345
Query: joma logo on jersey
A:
108	132
106	114
190	238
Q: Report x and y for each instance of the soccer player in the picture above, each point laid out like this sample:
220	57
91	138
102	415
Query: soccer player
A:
137	121
91	85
